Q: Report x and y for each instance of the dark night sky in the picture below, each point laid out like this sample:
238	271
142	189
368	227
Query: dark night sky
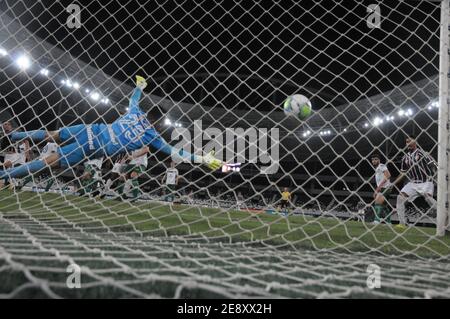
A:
320	47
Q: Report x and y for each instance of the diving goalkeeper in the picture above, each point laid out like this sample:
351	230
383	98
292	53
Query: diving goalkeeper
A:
82	142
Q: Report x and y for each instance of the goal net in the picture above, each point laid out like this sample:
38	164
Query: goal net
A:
296	210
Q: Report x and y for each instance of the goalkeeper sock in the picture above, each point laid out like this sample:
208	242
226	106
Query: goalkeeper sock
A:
23	170
35	136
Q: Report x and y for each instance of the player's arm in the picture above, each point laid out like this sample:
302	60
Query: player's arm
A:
133	105
387	176
179	154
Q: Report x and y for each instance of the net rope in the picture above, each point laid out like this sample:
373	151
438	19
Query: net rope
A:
229	65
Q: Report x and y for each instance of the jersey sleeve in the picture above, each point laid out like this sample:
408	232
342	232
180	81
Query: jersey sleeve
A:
161	145
133	106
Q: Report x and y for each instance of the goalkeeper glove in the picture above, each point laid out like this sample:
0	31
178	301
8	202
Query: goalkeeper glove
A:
211	162
140	82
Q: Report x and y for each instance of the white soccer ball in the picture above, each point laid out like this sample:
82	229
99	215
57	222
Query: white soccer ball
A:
298	105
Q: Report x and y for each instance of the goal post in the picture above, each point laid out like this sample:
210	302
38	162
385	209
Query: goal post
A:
443	209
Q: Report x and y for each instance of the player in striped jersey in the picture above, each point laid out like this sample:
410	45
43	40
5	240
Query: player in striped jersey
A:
420	168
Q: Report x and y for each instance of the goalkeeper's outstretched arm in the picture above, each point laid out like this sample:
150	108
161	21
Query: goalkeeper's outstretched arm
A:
180	155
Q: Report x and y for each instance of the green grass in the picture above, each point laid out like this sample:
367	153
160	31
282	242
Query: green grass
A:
154	219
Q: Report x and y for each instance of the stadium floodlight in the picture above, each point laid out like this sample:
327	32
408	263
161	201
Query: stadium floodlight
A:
68	83
409	112
3	52
127	108
401	113
76	85
87	90
44	72
377	121
167	122
23	62
366	124
95	96
105	101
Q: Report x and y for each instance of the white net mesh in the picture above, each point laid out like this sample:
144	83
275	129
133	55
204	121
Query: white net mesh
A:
220	71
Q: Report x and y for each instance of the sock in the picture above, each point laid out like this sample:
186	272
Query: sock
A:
387	214
120	187
36	136
401	209
135	184
108	185
25	181
431	201
49	184
378	210
23	170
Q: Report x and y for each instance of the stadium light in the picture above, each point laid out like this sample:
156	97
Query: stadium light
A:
127	108
76	85
167	122
3	52
68	83
44	72
377	121
366	124
87	91
23	62
409	112
401	113
95	96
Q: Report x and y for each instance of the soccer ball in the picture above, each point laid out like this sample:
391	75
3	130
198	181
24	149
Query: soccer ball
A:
297	105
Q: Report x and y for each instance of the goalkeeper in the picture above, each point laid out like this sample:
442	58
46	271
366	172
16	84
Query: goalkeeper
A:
82	142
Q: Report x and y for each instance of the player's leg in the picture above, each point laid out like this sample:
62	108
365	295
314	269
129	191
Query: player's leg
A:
427	191
134	176
378	208
61	136
402	198
31	167
407	193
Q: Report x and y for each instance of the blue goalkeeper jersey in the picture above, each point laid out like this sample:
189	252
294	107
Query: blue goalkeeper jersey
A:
132	131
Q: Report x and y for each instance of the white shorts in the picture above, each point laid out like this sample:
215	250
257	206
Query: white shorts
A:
414	190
